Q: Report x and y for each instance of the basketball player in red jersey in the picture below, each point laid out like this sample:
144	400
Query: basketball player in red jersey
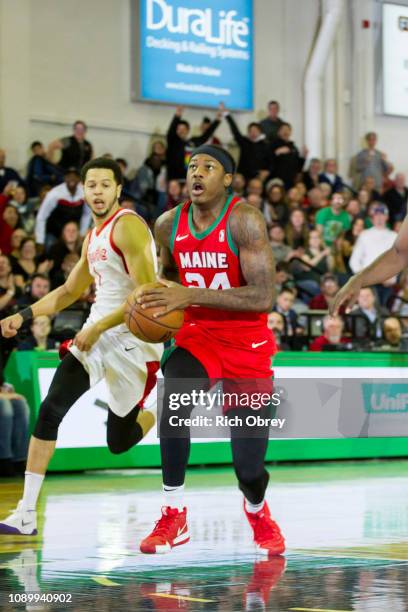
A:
118	255
220	248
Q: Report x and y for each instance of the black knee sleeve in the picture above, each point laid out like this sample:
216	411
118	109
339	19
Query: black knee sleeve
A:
123	432
49	419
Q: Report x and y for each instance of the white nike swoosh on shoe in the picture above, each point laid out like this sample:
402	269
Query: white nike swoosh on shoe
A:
180	530
178	238
256	344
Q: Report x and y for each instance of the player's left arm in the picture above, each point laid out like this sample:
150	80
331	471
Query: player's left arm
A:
132	237
248	231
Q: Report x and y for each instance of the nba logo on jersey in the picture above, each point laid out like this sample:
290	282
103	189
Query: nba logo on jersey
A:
221	236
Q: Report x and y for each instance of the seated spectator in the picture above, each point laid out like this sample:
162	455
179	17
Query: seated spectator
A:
330	176
333	221
353	208
280	250
276	208
396	199
253	150
363	198
8	175
238	185
369	314
369	185
180	144
326	190
282	275
255	200
328	289
8	290
27	265
25	208
311	176
271	124
350	238
9	219
68	242
316	199
204	126
14	433
370	244
371	162
63	203
59	275
296	230
332	336
317	254
276	324
294	198
39	339
174	195
400	302
392	339
37	288
76	151
285	160
40	171
159	148
284	304
16	239
123	165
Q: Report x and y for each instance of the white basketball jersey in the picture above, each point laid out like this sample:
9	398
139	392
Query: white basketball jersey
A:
107	265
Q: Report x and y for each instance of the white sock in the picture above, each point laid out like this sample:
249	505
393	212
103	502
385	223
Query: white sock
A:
253	508
32	488
174	497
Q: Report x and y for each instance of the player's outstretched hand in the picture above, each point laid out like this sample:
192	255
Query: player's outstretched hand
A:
11	325
347	295
86	338
172	296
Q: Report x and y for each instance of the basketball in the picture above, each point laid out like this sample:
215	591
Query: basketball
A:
141	323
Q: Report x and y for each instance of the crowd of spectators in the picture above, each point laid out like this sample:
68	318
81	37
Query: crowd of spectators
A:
322	226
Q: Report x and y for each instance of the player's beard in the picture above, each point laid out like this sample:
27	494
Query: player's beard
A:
105	213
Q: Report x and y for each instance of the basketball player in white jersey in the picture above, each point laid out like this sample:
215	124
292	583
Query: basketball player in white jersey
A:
118	255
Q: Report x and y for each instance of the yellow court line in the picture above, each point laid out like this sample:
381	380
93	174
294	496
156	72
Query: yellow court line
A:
317	610
181	597
104	581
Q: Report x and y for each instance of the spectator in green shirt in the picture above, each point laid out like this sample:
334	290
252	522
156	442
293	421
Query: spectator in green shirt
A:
332	220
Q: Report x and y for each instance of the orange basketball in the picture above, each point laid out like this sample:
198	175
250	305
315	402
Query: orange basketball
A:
141	323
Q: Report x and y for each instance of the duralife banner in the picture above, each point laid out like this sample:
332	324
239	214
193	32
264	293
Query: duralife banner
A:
395	59
196	53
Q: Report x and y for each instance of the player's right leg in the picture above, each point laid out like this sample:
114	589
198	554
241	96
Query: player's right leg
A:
171	529
69	383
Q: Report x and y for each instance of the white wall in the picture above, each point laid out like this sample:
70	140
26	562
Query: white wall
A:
71	60
79	57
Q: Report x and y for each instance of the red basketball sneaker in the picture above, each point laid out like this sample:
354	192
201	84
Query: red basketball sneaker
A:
170	530
267	535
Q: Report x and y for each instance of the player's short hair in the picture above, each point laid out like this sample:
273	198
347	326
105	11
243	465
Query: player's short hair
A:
79	122
287	290
35	143
103	163
273	102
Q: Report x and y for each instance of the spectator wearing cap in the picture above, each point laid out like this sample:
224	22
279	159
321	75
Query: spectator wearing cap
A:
8	174
270	125
330	176
253	149
310	177
328	289
63	203
332	334
276	208
40	171
371	243
180	145
371	162
333	220
76	151
285	161
396	199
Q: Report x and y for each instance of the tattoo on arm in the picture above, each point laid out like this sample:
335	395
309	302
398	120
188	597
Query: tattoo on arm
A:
162	231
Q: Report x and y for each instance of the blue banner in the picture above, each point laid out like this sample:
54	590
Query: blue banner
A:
197	52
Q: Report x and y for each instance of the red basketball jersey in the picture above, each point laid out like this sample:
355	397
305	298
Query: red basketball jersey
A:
209	260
